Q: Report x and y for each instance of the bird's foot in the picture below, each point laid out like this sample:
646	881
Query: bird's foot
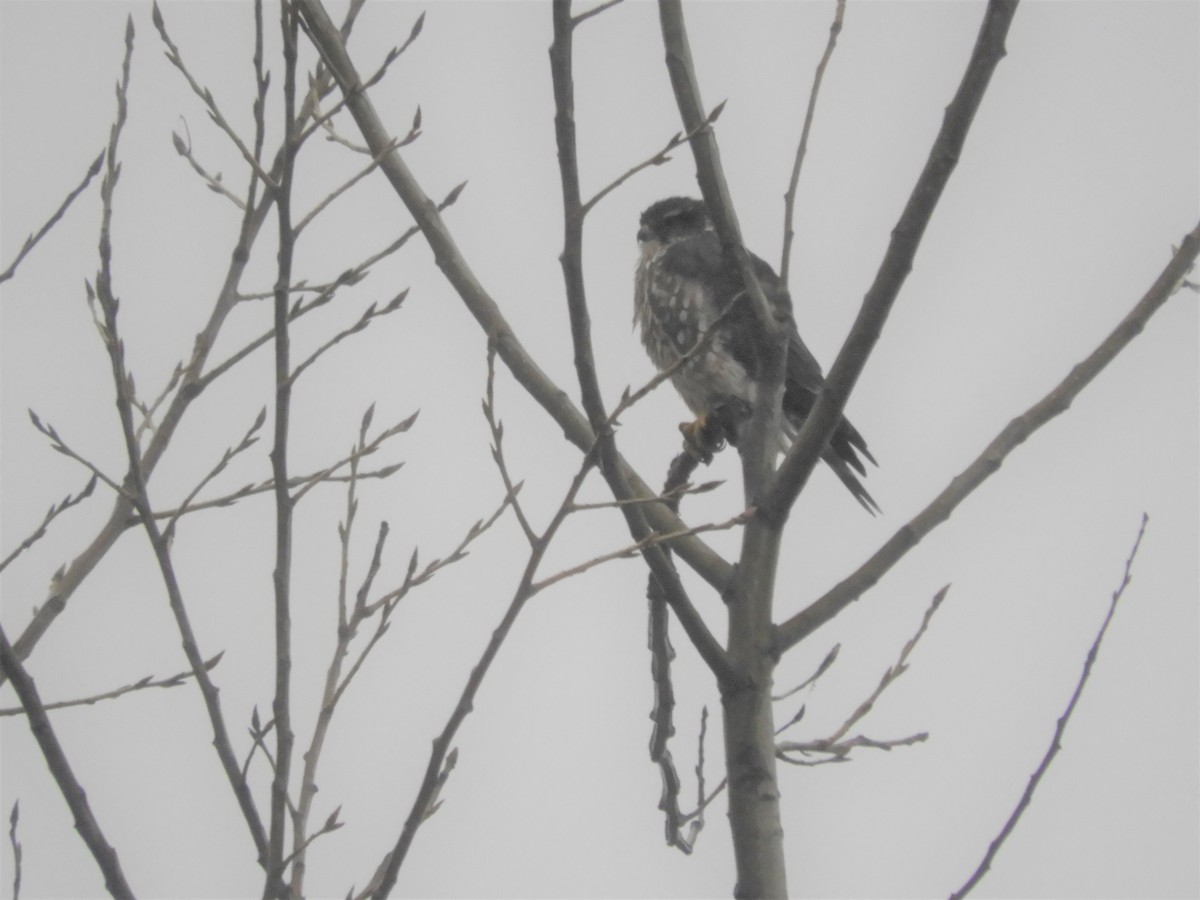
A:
703	437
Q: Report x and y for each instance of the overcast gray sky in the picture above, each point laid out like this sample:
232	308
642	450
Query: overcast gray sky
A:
1079	174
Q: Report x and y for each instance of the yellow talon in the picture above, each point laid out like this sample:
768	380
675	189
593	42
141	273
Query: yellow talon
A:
703	437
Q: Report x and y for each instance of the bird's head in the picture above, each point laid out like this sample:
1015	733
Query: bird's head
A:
671	219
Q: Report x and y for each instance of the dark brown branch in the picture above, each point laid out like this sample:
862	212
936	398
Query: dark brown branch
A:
1060	728
906	237
1012	436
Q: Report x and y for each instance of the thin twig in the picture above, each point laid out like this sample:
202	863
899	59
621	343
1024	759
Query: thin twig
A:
594	11
1059	729
826	663
687	489
839	751
32	240
658	159
325	293
893	672
61	446
210	102
147	423
55	510
652	540
347	626
341	189
789	198
497	428
369	315
213	182
363	610
139	685
249	439
320	119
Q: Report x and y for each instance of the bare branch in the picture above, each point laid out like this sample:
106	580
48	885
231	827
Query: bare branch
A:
281	705
1013	435
321	120
658	159
210	102
892	673
213	182
139	685
85	561
604	445
339	191
594	11
249	439
147	423
497	429
826	663
56	760
839	751
652	540
947	149
325	293
13	818
789	198
481	305
32	240
1056	744
369	315
135	489
58	444
55	510
673	495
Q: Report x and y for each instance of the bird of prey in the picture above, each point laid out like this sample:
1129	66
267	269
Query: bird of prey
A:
685	285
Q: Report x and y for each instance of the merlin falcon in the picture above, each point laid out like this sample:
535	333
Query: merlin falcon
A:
685	285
